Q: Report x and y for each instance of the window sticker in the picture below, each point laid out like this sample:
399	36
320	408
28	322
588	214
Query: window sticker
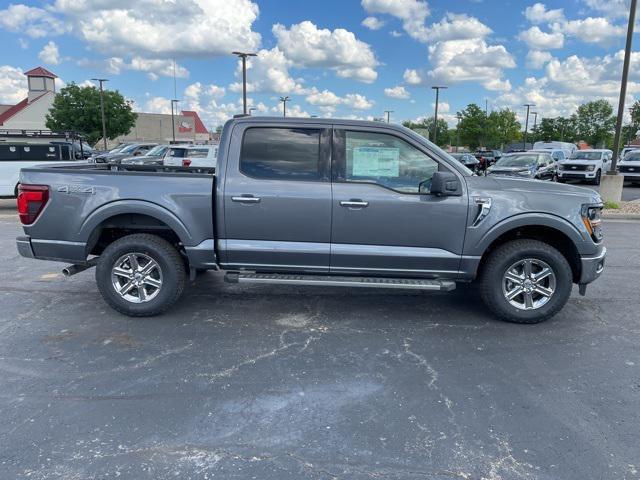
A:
376	162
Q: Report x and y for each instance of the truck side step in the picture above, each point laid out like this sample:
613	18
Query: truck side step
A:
340	281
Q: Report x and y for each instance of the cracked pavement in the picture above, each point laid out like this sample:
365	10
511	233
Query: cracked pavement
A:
273	382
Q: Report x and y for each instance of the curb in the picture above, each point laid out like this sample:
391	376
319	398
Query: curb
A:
621	216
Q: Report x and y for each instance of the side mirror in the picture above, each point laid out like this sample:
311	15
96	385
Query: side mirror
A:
446	184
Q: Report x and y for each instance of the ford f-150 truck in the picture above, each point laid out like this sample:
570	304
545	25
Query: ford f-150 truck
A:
315	202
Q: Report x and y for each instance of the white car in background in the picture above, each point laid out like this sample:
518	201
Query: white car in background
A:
586	165
567	148
629	166
192	156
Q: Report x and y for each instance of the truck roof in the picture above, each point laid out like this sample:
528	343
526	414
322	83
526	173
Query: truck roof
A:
316	121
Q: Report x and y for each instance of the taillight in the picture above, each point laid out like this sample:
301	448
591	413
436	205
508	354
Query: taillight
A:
186	162
31	201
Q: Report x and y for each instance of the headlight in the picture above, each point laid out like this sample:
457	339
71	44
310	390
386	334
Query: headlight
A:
591	168
592	220
524	173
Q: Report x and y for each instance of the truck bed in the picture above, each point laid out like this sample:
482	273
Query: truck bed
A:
86	199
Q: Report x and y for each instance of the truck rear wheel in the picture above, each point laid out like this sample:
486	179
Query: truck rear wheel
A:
140	275
526	281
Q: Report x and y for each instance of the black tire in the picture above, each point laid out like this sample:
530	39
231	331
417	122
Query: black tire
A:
501	259
596	181
561	180
171	264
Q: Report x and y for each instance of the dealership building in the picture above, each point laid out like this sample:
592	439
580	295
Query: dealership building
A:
30	114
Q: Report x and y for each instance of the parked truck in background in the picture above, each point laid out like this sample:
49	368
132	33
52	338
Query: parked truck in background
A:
316	202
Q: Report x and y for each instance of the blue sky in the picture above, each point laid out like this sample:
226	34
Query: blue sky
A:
349	58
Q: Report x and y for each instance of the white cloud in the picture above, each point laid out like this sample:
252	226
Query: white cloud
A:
327	98
537	59
372	23
50	54
13	85
146	28
591	30
23	43
308	46
154	67
397	92
32	21
457	27
538	13
412	77
158	105
268	72
413	14
536	39
293	110
395	33
610	8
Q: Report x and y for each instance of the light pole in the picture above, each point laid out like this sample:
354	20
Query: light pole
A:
104	123
243	56
173	123
387	113
459	117
535	125
526	123
284	101
435	117
623	91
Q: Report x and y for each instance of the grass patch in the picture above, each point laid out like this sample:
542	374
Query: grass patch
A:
611	205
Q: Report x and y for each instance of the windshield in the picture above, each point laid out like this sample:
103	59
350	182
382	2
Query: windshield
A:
118	148
517	161
129	149
586	156
632	157
157	151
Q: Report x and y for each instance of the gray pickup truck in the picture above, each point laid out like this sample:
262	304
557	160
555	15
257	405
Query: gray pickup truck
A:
316	202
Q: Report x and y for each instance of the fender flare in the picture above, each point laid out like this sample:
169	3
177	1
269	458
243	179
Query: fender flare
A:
528	220
140	207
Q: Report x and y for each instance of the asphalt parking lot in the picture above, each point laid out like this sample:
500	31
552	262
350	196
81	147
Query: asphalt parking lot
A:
288	383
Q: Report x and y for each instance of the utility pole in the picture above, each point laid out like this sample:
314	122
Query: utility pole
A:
535	125
459	117
435	117
526	123
173	122
284	101
104	123
623	89
387	113
244	56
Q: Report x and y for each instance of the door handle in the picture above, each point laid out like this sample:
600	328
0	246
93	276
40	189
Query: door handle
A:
354	204
246	199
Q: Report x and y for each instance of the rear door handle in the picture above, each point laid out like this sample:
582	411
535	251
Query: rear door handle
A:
246	199
354	204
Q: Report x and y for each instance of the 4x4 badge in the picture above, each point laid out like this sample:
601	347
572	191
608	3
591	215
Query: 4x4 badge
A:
82	189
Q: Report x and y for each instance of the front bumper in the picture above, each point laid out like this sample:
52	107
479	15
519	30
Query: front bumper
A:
592	267
576	175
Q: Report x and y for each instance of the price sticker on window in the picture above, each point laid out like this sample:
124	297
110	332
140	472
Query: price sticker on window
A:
376	162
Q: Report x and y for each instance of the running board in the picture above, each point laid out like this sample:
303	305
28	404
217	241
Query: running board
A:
341	281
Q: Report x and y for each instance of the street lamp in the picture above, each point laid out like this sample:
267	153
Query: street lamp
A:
623	89
459	117
387	113
435	117
104	124
526	123
173	123
535	125
284	101
244	56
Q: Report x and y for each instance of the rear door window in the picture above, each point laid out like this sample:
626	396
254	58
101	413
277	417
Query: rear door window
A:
177	152
281	153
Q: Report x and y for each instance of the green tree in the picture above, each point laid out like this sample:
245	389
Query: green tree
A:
442	134
502	128
595	122
561	129
473	126
78	108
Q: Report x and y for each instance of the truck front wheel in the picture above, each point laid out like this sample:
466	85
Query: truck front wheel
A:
526	281
140	275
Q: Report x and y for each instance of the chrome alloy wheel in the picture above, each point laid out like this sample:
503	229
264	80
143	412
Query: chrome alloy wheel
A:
136	277
529	284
